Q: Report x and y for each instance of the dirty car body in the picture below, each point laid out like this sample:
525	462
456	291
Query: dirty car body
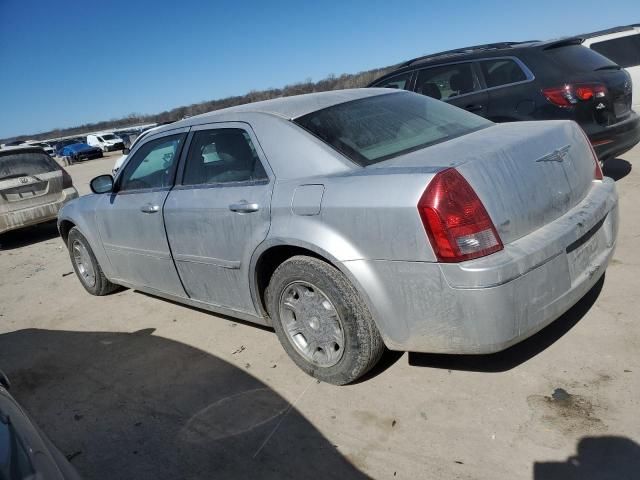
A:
362	180
33	188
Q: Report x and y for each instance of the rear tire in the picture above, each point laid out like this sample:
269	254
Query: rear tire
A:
86	265
321	321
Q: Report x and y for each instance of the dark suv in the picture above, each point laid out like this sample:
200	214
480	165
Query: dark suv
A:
531	81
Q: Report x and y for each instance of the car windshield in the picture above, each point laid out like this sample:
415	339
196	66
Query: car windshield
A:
108	136
24	164
374	129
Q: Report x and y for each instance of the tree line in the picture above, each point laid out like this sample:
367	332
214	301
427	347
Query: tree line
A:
332	82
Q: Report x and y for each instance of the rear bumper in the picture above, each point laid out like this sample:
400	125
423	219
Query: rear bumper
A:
33	215
489	304
621	138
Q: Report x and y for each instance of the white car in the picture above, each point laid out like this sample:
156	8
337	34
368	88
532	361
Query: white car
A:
105	141
622	45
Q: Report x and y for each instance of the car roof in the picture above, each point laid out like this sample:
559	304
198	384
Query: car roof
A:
286	107
20	149
479	51
607	31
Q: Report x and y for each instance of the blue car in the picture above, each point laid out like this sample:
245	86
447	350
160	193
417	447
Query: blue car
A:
79	151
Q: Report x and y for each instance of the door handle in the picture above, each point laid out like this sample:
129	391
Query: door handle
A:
244	207
148	208
473	108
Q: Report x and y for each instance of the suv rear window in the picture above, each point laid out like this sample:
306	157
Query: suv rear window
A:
370	130
23	164
578	58
625	51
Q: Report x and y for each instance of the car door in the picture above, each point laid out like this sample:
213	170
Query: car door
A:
455	83
130	219
218	213
511	96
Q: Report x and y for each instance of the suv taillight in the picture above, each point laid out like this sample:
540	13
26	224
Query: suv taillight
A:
570	94
67	182
455	219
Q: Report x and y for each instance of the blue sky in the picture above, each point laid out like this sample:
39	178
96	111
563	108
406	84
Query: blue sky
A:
65	63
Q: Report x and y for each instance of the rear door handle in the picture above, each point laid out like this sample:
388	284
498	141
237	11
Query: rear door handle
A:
473	108
148	208
244	207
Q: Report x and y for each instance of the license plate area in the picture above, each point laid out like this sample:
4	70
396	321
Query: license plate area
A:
582	253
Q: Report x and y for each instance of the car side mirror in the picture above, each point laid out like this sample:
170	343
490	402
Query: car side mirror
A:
125	151
102	184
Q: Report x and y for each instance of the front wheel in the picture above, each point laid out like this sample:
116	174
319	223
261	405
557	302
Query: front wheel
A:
321	321
86	265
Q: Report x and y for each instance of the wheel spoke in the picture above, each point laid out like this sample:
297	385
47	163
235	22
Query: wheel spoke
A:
312	323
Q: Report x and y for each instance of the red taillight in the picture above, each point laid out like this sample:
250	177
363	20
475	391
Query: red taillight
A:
570	94
67	182
455	219
597	172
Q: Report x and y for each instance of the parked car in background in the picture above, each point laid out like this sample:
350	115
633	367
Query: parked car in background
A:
77	152
513	81
33	187
354	219
107	142
48	149
25	452
622	46
63	143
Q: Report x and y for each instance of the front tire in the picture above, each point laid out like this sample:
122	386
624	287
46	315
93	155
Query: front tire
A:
86	265
321	321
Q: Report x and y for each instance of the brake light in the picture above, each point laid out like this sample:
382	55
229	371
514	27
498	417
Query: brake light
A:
457	224
570	94
67	182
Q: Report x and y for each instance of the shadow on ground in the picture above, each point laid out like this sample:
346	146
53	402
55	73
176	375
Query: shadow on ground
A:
519	353
28	236
598	458
138	406
616	168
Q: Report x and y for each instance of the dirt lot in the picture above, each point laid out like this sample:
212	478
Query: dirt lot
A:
134	387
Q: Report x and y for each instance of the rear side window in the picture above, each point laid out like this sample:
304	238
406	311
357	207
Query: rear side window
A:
447	81
370	130
625	51
24	164
501	71
578	58
401	82
222	155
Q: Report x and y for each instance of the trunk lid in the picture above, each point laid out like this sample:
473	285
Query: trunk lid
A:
526	174
28	179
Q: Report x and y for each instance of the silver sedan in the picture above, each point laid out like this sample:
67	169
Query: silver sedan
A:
354	220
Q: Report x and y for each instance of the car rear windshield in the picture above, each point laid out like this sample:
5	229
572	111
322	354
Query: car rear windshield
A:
374	129
23	164
578	58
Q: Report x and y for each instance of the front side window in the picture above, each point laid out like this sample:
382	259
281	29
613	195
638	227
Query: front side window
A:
370	130
447	81
220	156
625	51
501	71
153	164
401	82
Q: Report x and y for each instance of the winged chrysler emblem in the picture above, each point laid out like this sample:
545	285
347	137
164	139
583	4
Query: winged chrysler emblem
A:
557	155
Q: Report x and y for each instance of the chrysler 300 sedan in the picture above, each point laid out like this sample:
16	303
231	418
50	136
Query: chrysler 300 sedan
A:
354	220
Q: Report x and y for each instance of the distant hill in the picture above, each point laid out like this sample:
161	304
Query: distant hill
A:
332	82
